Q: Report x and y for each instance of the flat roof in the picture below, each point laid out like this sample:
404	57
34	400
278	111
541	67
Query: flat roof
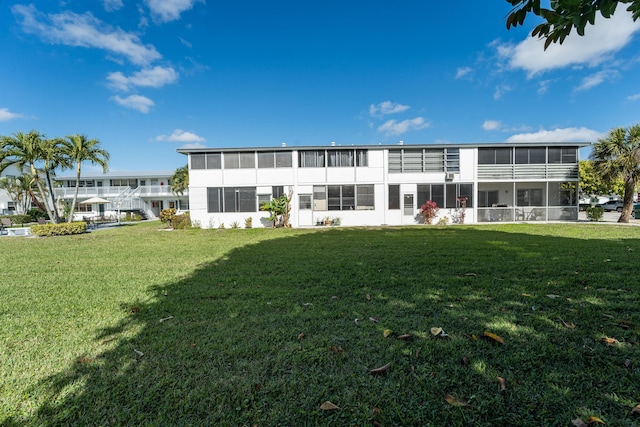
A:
381	146
119	174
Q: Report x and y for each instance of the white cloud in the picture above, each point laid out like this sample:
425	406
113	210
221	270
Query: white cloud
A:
501	90
185	42
84	30
387	107
181	136
112	5
169	10
135	102
463	72
6	115
544	87
148	77
600	41
558	135
491	125
393	128
634	97
596	79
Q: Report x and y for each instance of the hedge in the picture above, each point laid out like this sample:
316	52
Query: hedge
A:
64	229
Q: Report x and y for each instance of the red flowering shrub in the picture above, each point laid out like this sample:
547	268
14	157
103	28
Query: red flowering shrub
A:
429	211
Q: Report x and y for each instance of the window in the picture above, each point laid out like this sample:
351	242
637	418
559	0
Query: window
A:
466	190
530	155
83	208
365	197
197	161
239	160
231	199
274	159
133	183
487	198
214	161
311	158
494	156
433	160
445	196
408	204
394	196
304	201
340	158
263	198
362	158
283	159
529	197
452	160
433	192
563	155
319	198
412	161
266	160
277	191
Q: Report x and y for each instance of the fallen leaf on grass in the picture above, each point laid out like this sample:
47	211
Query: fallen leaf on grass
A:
139	353
493	337
368	297
336	349
335	297
503	384
300	336
578	423
436	331
609	340
636	409
380	370
569	325
134	310
594	420
471	274
386	332
404	336
455	401
374	319
553	296
328	406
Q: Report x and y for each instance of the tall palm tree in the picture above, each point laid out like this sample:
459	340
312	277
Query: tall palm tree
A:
180	180
54	156
25	150
617	156
81	149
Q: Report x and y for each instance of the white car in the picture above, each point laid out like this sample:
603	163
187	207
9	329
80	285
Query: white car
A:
612	205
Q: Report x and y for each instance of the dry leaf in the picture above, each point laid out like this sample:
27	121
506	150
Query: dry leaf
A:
374	319
335	297
578	423
471	274
503	384
134	310
139	353
636	409
592	420
328	406
552	296
404	336
336	349
386	332
381	369
436	331
300	336
368	297
569	325
608	340
454	401
493	337
376	411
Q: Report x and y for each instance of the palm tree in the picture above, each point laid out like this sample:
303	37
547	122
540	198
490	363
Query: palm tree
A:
81	149
25	151
54	156
617	156
180	180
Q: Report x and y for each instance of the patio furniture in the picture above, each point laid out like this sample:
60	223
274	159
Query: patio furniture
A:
41	220
5	223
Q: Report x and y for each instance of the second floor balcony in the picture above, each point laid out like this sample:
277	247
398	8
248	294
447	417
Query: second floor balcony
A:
117	191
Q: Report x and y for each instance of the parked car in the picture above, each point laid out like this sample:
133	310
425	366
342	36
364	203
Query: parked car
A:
612	205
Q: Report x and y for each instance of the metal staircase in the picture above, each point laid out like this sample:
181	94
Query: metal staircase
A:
128	200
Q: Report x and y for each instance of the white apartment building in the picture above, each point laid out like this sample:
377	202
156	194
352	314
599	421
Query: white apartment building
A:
143	192
386	184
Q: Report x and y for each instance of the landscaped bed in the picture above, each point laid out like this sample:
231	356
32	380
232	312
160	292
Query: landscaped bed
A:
515	324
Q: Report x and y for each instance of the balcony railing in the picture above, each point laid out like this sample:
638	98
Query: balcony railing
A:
110	192
521	172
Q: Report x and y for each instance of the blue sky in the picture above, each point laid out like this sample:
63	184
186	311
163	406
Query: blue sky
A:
148	76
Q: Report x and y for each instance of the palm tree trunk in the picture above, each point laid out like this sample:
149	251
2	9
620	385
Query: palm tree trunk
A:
45	201
75	194
52	195
629	188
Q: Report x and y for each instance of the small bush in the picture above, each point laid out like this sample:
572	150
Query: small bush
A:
248	222
235	224
36	213
64	229
167	215
132	217
182	222
595	213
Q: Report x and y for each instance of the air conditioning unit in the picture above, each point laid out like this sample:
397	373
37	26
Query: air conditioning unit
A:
449	176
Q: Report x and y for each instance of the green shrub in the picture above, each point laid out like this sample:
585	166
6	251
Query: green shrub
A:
64	229
21	219
595	213
167	215
181	222
132	217
36	213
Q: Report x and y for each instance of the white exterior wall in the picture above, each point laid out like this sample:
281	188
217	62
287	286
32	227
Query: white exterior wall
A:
303	180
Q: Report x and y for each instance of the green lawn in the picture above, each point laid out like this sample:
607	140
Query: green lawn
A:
139	326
